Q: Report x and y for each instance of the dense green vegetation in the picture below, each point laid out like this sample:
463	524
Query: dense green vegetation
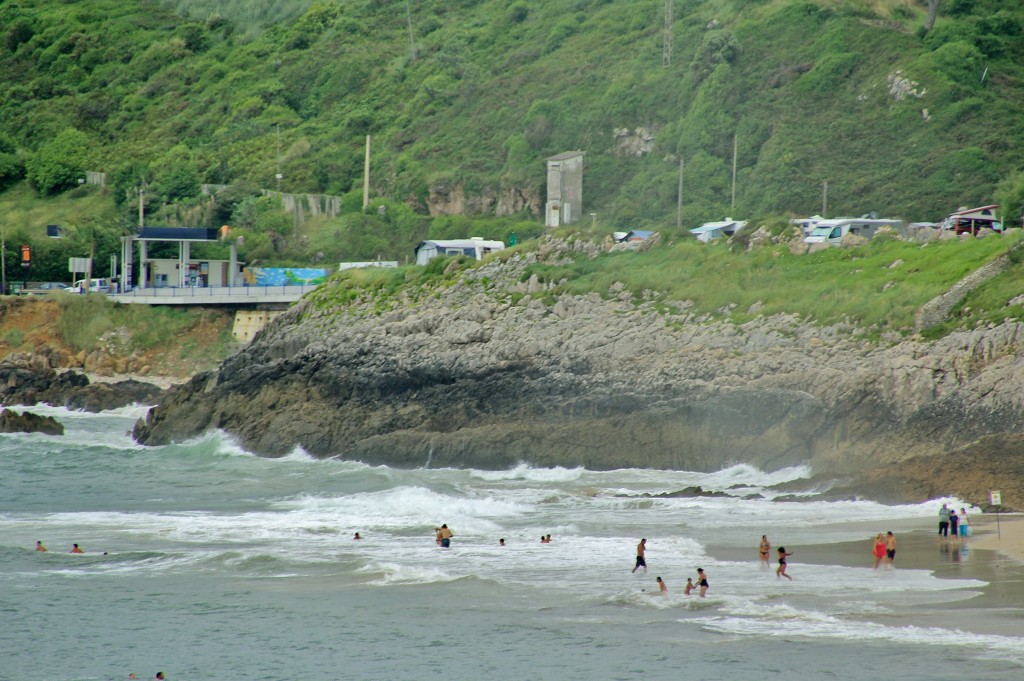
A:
471	95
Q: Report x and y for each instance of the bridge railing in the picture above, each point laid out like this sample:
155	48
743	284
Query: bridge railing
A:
296	290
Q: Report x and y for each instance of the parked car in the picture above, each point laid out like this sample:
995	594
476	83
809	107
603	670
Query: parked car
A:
39	288
96	285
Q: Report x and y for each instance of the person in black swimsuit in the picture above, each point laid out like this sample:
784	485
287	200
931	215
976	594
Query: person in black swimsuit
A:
702	582
781	571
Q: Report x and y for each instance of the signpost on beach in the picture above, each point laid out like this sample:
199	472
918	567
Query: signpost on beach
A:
996	499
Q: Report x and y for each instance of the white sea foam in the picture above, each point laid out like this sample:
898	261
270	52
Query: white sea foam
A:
524	471
786	622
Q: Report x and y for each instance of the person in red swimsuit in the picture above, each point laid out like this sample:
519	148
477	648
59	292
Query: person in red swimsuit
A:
879	549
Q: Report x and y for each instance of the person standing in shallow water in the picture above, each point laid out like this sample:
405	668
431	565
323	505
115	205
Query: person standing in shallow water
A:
890	547
944	521
764	549
662	586
641	560
954	522
445	535
702	582
879	549
781	570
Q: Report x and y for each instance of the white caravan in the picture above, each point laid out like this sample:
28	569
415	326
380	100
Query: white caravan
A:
831	232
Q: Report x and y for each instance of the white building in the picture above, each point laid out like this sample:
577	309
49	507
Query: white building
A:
475	248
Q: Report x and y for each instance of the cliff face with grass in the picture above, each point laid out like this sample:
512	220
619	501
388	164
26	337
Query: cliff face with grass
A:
491	365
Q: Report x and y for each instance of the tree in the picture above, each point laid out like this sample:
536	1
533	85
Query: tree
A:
933	13
60	163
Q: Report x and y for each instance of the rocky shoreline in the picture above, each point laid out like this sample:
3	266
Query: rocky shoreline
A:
491	371
29	379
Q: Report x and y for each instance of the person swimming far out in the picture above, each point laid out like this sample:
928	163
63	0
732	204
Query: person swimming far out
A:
75	549
39	546
356	536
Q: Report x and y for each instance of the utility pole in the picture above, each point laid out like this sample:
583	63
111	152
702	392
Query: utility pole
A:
679	198
735	138
366	175
666	50
279	175
824	199
3	259
141	191
412	42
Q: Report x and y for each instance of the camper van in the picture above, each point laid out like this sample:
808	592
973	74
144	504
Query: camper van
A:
831	232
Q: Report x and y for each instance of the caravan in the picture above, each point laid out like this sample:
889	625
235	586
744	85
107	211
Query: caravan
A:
831	232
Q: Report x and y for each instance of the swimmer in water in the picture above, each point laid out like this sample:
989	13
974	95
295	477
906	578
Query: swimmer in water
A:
690	586
662	586
39	546
75	549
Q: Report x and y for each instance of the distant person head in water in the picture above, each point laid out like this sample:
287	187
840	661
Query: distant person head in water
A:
75	549
39	546
501	542
356	536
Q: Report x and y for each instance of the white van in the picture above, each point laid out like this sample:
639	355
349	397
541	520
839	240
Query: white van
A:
97	285
833	231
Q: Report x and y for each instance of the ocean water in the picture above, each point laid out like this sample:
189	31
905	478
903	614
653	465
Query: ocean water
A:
208	563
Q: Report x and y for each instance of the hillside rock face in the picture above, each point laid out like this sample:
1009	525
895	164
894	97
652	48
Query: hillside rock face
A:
490	372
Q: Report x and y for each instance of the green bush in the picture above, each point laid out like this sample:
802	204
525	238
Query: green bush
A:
60	163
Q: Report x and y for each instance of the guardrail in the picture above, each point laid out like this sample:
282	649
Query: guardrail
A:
213	295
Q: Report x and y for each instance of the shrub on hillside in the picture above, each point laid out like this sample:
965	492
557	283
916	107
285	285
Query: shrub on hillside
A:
60	163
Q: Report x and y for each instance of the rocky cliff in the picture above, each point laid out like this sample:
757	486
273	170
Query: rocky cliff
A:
490	371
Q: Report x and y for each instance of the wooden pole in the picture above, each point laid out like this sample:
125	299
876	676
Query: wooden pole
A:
735	138
366	175
824	199
679	198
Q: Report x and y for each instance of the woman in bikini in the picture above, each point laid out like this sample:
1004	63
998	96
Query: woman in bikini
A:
781	570
765	548
879	549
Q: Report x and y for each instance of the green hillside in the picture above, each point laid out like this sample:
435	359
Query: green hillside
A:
465	98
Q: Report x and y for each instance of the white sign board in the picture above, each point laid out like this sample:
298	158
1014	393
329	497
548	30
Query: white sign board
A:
995	497
79	265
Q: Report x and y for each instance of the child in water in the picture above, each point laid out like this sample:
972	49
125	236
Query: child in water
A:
690	586
781	570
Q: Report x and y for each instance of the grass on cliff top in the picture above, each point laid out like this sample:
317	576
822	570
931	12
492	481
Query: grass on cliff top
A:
881	284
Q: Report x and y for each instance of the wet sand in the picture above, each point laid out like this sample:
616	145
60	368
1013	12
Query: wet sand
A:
996	560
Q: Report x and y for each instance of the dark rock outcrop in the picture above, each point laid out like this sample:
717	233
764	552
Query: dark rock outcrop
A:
28	380
27	422
490	371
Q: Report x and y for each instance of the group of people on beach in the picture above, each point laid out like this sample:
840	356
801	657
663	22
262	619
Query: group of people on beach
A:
951	524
